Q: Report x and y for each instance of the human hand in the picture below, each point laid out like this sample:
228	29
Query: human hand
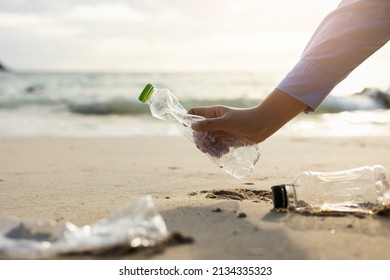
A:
218	141
226	121
255	124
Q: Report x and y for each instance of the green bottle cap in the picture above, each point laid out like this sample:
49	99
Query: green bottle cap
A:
145	94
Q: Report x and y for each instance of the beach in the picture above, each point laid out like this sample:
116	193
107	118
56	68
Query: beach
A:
98	181
82	180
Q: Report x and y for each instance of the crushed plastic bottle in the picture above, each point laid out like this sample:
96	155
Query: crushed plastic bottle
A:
360	190
137	224
237	156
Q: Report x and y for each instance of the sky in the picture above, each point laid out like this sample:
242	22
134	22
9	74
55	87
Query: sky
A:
158	35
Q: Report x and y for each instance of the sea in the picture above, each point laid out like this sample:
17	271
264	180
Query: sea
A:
57	104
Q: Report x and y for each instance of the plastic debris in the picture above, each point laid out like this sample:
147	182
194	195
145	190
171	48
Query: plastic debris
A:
137	224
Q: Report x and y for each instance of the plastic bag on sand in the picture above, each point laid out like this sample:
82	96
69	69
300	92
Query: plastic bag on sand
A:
135	225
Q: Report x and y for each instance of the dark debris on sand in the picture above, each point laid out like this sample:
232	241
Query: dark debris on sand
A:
123	251
240	194
241	215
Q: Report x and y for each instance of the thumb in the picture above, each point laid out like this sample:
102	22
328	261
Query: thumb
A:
210	124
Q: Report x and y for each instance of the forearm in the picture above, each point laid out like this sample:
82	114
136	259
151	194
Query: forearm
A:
273	113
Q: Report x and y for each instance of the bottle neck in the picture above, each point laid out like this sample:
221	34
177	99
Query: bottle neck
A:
152	96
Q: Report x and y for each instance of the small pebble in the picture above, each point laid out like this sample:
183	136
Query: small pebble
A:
360	216
242	215
217	210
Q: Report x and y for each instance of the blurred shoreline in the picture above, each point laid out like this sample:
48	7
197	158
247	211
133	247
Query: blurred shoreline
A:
35	104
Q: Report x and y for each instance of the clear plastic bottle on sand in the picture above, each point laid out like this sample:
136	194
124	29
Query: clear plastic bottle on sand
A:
362	190
237	156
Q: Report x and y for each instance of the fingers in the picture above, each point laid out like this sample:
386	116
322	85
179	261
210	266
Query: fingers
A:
200	111
215	118
210	124
208	112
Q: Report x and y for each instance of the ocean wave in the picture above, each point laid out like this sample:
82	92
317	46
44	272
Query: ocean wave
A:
122	106
117	106
16	103
366	100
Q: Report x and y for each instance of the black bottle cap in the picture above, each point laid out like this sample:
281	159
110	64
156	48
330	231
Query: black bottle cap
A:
279	196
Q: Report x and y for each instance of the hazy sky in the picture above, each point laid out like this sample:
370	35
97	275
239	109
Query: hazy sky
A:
157	35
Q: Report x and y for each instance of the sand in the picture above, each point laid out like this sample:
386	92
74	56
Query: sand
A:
83	180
